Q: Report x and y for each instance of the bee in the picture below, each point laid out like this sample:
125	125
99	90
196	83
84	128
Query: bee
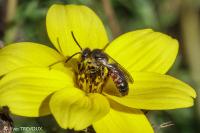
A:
6	122
117	73
93	64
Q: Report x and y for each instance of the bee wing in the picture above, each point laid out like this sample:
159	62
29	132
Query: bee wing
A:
126	73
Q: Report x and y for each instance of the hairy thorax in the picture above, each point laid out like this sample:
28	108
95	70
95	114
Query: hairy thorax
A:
91	76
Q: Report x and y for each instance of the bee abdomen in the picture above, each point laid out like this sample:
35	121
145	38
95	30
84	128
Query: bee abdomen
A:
123	88
120	80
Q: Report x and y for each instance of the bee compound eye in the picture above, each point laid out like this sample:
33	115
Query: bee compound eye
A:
86	53
99	55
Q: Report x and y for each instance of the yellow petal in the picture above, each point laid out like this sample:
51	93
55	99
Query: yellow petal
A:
123	122
88	29
27	90
153	91
144	50
72	108
26	54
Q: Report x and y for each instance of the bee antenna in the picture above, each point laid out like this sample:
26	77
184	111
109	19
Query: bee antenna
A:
72	56
76	41
63	60
104	48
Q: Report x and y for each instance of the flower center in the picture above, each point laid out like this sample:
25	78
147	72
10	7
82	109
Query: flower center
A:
91	76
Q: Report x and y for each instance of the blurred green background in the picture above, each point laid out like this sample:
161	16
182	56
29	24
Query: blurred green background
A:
24	20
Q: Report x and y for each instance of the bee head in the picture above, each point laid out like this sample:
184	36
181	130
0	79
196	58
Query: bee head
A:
86	53
98	55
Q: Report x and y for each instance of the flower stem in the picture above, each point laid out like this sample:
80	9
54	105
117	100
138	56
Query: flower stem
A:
112	19
190	26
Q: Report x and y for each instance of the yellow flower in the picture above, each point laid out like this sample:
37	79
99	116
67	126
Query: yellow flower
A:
30	88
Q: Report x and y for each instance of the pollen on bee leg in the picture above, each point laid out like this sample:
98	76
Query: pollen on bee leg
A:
91	80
